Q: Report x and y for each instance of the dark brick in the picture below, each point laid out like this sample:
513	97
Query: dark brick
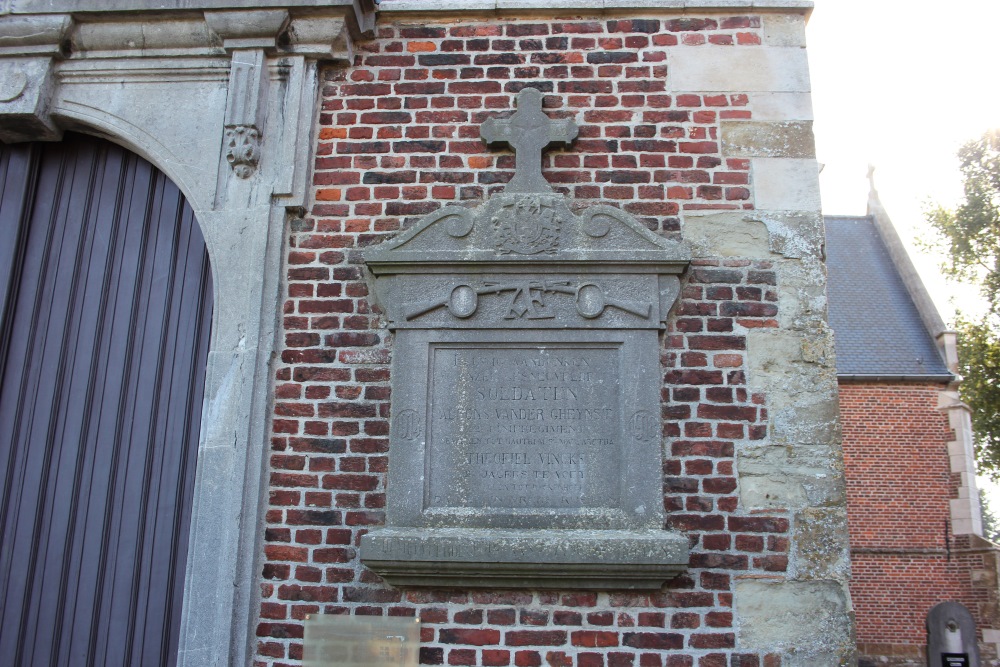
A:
659	641
536	638
473	637
757	524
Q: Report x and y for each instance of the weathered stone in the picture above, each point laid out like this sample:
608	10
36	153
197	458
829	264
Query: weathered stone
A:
781	106
807	620
476	558
727	235
528	132
789	477
805	399
821	549
802	298
754	234
951	636
26	86
786	184
784	30
791	139
746	69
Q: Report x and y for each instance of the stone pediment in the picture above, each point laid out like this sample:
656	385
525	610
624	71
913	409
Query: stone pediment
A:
530	229
525	260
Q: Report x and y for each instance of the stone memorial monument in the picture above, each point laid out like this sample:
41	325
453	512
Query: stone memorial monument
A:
951	636
525	437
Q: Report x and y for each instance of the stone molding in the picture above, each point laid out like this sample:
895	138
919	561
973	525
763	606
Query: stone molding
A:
617	6
223	100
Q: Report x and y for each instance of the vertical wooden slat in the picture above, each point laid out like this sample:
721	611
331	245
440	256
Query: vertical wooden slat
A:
101	383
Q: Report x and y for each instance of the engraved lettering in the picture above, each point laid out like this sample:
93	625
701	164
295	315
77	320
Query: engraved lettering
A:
525	427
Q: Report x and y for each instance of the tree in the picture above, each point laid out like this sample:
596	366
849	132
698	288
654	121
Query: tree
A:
970	237
971	233
979	365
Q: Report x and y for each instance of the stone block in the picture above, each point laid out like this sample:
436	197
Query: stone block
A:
805	399
754	234
726	235
808	621
791	139
784	30
820	544
802	302
786	184
26	87
789	477
745	69
33	35
781	106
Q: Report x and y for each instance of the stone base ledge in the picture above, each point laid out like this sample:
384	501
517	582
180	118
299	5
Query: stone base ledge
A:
510	558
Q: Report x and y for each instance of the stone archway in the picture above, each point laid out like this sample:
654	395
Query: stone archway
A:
222	97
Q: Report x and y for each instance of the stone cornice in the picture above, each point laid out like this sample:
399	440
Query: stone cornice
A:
19	20
324	34
594	6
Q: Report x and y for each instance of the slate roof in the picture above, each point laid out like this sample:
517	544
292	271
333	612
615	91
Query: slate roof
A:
877	328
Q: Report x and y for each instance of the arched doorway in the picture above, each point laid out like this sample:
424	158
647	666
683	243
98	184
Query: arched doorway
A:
105	320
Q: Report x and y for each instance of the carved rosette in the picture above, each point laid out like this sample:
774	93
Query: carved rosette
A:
243	149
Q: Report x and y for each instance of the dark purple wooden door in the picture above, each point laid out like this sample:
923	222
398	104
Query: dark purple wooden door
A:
105	313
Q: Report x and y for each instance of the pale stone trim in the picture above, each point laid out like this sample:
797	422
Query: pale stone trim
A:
784	30
747	69
785	184
751	138
966	518
781	106
480	6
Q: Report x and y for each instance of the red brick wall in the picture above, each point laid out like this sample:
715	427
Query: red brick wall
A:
399	137
898	488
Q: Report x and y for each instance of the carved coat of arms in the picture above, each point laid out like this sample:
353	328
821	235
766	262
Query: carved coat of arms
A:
527	226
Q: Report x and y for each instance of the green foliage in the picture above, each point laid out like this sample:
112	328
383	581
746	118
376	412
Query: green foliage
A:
971	234
979	365
970	237
991	524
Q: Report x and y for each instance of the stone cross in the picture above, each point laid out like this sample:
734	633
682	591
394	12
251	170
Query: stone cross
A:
528	132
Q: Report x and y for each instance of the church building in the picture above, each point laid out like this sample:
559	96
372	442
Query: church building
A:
507	318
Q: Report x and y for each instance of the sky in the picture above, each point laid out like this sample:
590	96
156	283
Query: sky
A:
902	85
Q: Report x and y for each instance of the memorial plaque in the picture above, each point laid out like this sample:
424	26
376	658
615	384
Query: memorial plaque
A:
525	439
951	636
